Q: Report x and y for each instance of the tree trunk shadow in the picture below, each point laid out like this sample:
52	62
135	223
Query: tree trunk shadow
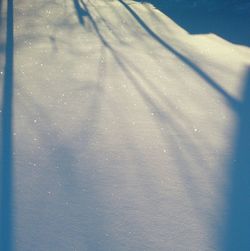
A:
6	138
237	231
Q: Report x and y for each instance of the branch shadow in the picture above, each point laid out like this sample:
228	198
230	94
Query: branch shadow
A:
126	66
81	12
6	164
227	19
202	74
237	223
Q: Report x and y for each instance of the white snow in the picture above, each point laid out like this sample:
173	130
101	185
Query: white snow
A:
124	126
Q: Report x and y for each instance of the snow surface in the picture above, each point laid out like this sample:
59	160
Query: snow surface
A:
125	130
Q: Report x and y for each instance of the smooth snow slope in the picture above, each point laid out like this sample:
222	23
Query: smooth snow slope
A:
129	133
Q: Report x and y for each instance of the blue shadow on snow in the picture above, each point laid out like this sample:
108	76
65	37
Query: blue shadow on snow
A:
237	222
6	138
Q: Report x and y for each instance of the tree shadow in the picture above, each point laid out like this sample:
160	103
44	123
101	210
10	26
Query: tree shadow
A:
227	19
1	21
6	137
81	12
1	7
232	102
237	225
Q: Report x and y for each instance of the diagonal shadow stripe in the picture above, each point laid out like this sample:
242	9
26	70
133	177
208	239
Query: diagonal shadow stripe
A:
234	104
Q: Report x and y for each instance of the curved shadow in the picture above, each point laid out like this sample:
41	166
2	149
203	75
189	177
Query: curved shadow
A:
6	138
227	19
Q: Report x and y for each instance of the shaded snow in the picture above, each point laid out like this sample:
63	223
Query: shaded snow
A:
124	128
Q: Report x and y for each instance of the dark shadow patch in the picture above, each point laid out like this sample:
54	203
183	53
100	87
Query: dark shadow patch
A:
81	12
53	43
6	138
237	225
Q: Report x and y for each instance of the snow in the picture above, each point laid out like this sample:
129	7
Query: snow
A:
126	129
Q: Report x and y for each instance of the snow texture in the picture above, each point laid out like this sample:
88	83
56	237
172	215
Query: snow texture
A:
125	126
